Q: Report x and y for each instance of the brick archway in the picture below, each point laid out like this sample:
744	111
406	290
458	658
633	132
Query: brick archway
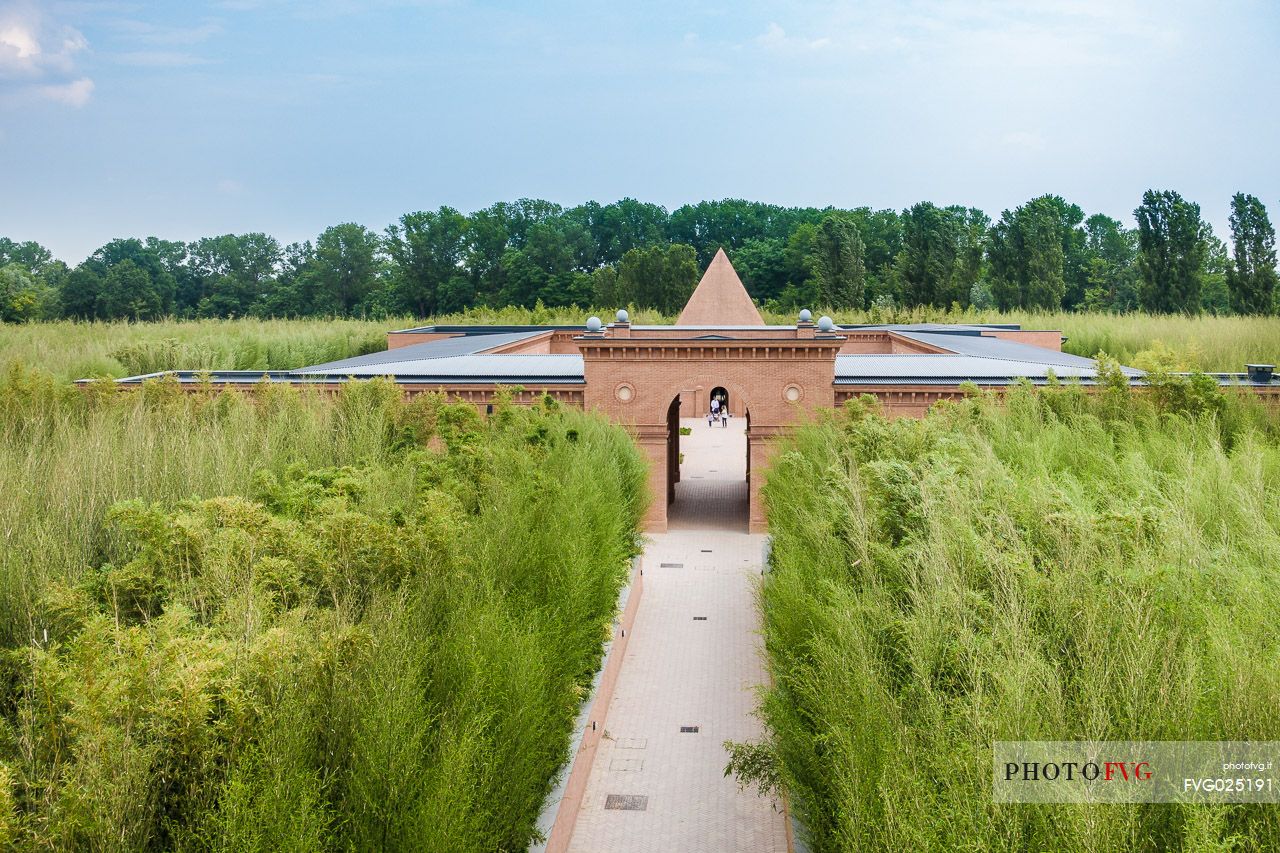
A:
633	380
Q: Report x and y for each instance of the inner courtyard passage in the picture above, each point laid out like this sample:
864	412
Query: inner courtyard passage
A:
693	662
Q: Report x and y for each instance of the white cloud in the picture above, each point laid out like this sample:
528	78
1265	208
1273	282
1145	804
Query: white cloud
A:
18	42
157	34
775	38
38	56
73	94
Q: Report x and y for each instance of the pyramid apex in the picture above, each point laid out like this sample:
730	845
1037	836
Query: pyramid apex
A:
720	299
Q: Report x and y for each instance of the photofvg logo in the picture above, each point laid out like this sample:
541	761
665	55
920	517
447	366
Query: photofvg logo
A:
1069	771
1136	771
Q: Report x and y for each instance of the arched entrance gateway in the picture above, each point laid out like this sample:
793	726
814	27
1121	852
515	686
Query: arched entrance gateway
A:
719	393
647	376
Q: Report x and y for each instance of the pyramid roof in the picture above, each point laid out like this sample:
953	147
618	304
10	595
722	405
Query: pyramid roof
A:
720	299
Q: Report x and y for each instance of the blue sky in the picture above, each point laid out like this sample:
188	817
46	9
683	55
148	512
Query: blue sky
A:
187	119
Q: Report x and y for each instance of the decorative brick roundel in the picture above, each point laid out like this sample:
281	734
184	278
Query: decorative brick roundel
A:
625	393
792	393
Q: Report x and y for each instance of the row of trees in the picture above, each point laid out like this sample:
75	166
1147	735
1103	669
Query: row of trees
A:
1044	254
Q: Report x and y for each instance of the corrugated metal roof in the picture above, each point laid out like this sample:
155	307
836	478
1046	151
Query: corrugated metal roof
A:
443	348
949	369
464	368
933	327
708	327
489	330
997	348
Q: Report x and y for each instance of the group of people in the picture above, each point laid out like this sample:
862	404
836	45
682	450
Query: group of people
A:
719	412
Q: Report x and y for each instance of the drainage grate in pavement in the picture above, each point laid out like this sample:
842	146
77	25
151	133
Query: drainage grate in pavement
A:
689	730
627	802
699	619
631	743
706	550
626	764
671	565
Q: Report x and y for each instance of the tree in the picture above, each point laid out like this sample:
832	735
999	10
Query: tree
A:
1215	296
620	227
1027	255
172	256
80	292
235	272
661	277
428	250
89	291
764	267
1251	276
294	292
837	264
29	255
487	241
1171	252
25	295
345	267
129	292
1110	276
971	253
936	264
1075	261
551	266
710	225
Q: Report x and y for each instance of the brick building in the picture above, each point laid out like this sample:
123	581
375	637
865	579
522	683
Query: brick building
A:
649	377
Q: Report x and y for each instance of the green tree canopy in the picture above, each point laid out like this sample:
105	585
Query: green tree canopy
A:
1028	257
29	255
25	295
429	250
234	272
345	266
1251	276
1110	251
1171	252
941	254
129	292
836	263
660	277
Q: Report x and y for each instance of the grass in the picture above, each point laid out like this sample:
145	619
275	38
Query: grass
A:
71	350
1059	566
76	350
286	620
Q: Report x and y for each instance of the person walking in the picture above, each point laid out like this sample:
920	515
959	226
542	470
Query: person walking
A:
715	411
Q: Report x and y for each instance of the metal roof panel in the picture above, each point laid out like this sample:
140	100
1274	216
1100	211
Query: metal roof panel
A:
998	348
443	348
464	367
851	369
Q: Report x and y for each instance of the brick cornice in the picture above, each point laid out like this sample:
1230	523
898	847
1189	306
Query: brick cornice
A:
685	349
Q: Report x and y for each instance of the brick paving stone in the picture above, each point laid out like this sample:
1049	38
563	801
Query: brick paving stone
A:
681	672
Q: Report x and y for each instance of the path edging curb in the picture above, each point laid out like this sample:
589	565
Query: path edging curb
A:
560	811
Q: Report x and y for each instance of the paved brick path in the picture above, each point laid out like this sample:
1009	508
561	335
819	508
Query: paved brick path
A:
681	672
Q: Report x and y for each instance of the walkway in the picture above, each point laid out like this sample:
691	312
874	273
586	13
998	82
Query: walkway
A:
683	670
